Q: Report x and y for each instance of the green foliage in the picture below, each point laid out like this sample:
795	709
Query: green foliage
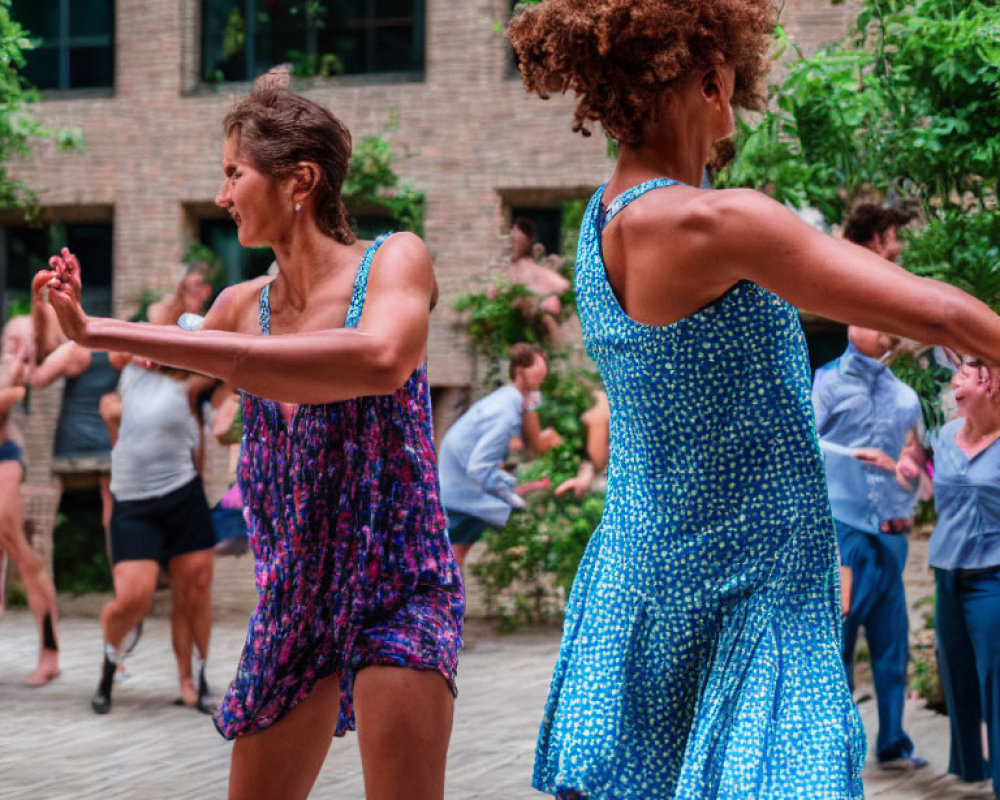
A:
496	321
19	306
928	380
961	247
530	563
308	65
18	126
79	562
909	104
372	184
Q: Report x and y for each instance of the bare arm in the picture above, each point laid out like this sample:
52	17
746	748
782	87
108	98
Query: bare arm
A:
759	239
48	335
67	361
312	367
10	396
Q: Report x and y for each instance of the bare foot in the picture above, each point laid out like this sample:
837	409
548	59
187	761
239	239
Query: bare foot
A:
189	692
47	669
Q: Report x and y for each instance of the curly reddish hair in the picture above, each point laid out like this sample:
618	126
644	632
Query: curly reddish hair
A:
619	55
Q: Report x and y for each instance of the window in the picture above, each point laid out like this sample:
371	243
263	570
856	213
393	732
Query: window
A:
244	38
548	221
25	250
75	42
240	263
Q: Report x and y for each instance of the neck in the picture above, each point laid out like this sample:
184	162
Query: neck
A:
306	257
678	153
981	422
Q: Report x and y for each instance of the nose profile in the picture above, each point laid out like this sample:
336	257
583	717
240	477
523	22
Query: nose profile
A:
222	198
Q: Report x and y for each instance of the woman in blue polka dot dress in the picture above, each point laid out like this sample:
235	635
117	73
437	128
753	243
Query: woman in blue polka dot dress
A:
701	645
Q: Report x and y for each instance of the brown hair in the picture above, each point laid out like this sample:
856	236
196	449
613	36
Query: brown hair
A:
527	226
278	129
619	55
522	355
868	220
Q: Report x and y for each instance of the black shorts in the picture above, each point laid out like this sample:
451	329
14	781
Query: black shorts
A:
160	528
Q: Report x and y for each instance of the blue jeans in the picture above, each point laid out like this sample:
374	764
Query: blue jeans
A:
879	604
967	620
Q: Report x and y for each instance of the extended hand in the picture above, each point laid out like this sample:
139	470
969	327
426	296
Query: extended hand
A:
875	457
576	485
65	288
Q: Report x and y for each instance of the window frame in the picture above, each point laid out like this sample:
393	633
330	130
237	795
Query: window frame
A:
370	26
65	44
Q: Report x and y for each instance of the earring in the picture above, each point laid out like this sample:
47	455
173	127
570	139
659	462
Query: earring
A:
298	206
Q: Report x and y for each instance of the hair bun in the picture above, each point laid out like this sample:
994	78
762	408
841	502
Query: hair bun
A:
274	80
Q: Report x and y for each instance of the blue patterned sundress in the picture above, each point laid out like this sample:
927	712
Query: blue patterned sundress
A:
353	563
701	644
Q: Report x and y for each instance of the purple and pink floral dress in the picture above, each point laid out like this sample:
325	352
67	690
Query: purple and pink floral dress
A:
353	563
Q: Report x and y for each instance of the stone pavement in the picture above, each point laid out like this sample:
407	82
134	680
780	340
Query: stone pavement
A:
52	747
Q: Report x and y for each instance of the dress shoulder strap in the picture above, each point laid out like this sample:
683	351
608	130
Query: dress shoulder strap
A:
264	310
614	208
360	290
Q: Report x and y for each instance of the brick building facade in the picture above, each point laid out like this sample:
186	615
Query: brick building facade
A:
464	130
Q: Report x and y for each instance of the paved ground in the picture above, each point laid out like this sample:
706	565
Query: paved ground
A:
52	747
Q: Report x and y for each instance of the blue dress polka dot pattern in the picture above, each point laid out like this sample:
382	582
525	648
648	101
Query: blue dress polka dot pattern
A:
701	644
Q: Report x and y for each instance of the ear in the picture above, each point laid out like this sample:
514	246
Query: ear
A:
713	86
305	179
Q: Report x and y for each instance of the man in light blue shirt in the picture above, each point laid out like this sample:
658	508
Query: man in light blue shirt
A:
866	417
475	490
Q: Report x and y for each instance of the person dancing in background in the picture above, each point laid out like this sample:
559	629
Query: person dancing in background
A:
38	585
871	418
965	553
361	600
701	646
476	491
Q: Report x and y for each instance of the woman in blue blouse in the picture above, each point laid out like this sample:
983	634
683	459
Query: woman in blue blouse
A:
965	553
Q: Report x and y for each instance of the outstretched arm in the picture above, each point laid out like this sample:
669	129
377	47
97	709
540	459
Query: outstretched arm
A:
312	367
48	335
67	361
762	240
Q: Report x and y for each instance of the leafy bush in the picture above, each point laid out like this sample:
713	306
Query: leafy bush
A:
372	183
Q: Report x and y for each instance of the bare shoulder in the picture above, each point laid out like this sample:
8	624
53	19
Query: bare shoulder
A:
402	258
405	247
236	306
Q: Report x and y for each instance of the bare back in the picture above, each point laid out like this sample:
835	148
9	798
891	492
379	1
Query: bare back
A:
654	255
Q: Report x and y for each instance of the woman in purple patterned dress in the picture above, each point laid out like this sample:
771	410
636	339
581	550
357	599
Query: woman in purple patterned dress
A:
361	602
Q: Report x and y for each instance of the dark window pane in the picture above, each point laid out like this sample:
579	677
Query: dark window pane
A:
91	18
28	249
223	40
394	8
549	224
92	245
369	226
78	49
90	67
240	263
349	36
39	17
393	49
349	50
42	68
